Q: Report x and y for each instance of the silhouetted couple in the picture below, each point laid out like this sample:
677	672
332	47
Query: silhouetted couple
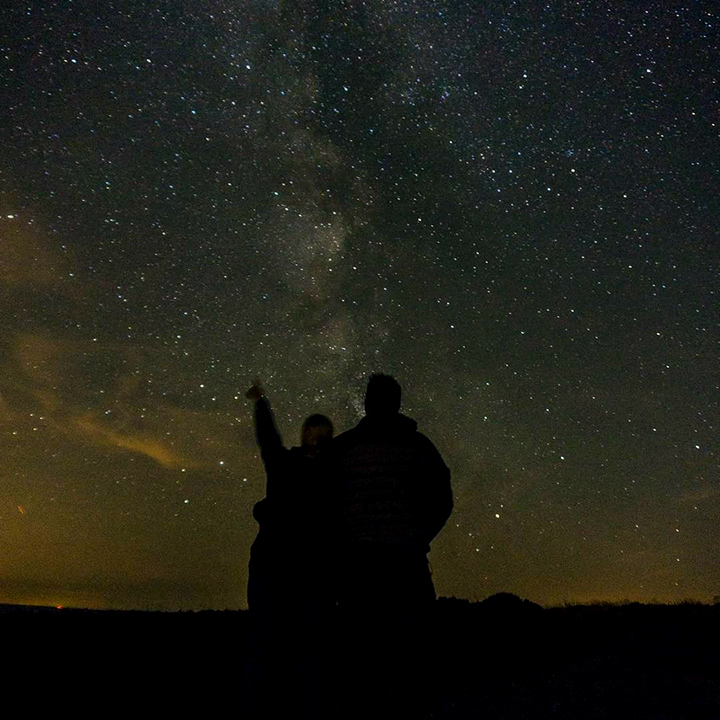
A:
345	529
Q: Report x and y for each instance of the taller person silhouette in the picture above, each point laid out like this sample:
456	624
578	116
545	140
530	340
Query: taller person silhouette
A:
395	497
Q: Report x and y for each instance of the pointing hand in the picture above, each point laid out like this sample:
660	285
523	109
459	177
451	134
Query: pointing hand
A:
256	391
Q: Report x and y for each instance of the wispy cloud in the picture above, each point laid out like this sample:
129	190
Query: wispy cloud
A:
149	446
58	379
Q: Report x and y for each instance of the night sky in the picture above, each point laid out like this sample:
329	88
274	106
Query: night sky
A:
510	206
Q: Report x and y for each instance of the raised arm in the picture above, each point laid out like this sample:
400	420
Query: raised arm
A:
267	436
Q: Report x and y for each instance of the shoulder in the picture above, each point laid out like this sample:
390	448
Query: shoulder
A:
428	448
423	441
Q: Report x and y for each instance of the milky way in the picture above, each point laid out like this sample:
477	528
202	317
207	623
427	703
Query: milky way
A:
512	207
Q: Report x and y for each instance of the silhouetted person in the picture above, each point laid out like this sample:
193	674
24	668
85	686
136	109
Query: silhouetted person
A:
395	497
290	594
286	559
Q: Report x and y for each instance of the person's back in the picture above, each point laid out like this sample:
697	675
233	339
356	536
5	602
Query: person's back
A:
395	489
395	496
392	478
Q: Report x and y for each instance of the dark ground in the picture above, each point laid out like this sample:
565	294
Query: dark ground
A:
500	659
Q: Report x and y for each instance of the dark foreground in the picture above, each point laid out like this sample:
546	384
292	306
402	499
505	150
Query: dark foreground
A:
500	659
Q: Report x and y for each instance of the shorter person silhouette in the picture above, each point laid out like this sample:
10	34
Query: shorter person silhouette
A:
290	587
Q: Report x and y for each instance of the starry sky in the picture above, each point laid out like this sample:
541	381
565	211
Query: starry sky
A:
510	206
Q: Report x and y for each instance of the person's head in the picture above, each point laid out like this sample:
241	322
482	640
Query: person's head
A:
316	431
382	396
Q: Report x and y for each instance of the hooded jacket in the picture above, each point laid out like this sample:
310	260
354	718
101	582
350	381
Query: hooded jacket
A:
395	493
